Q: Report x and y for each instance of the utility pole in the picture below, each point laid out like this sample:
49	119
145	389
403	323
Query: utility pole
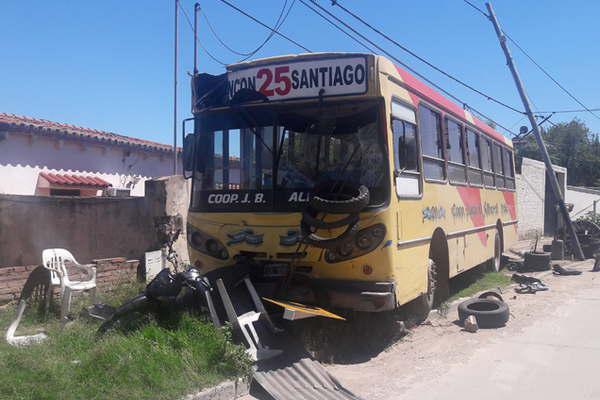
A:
538	136
196	9
175	51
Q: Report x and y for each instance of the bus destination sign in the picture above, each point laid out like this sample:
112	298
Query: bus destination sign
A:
305	79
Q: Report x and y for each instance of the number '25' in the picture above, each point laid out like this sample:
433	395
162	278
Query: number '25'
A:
284	83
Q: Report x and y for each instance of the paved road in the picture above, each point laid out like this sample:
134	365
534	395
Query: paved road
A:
549	350
557	357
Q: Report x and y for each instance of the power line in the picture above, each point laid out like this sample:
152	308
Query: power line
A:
396	59
568	111
275	31
571	95
191	25
339	28
423	60
280	21
544	71
477	8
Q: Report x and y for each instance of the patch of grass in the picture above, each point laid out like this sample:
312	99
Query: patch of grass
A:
476	280
153	362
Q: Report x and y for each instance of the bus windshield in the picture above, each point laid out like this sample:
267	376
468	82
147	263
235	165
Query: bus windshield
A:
279	153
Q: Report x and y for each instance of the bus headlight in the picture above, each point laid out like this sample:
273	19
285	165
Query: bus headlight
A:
365	241
206	244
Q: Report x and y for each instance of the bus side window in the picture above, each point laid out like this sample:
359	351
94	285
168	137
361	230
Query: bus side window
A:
432	144
456	155
406	153
498	166
509	172
486	161
474	172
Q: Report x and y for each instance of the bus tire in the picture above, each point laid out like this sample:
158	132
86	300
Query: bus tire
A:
355	200
420	307
495	263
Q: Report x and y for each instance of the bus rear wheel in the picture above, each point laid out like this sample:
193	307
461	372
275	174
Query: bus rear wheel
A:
496	262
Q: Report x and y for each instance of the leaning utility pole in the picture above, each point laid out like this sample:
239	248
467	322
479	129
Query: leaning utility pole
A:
175	51
538	136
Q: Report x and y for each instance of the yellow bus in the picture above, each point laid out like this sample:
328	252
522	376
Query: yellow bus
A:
343	181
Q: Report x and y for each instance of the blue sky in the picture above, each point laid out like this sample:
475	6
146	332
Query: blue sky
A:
108	64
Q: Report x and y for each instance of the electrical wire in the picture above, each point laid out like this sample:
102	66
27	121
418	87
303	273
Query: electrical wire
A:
275	31
568	111
339	28
191	25
542	69
423	60
396	59
477	9
278	24
545	72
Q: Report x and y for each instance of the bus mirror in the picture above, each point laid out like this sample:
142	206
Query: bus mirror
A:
189	147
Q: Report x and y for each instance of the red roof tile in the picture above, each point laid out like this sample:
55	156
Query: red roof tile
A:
36	125
74	180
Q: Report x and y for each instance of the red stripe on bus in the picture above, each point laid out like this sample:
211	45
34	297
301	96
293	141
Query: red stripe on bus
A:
434	96
471	198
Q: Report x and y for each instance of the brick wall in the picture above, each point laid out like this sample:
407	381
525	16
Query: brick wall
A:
109	272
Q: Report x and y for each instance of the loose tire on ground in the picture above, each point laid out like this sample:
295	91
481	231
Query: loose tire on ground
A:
537	261
489	313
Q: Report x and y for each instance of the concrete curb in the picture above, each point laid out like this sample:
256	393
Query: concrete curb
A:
228	390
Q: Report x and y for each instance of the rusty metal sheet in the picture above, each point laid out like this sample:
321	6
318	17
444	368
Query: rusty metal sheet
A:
305	379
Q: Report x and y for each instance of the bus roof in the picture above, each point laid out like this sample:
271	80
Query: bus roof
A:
417	88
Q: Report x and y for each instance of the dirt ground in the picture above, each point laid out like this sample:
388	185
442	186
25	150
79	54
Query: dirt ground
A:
547	350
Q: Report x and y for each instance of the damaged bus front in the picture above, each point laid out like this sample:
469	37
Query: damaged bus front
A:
290	178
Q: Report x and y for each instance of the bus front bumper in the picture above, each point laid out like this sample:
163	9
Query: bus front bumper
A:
356	295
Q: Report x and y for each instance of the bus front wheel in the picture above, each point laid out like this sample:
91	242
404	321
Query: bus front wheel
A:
422	305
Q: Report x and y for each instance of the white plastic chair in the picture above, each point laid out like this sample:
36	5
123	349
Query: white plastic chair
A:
54	260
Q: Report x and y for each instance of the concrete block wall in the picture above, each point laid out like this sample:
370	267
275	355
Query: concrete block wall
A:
531	185
531	190
91	228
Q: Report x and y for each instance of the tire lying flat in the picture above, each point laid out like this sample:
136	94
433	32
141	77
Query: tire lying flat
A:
489	313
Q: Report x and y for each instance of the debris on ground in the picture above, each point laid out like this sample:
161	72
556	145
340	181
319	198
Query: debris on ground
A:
528	284
491	295
596	266
470	324
558	270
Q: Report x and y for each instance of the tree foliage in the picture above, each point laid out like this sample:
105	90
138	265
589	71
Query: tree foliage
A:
571	145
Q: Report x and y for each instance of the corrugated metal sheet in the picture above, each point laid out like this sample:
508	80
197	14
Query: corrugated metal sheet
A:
303	379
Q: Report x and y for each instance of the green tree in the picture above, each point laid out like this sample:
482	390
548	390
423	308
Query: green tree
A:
571	145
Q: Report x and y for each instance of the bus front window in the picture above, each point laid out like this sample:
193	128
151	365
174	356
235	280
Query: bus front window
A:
286	148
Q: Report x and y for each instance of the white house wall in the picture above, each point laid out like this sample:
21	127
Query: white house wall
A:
582	200
23	156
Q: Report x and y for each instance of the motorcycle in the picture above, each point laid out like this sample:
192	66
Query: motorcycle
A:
186	290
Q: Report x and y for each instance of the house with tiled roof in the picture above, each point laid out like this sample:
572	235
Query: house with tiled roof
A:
41	157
